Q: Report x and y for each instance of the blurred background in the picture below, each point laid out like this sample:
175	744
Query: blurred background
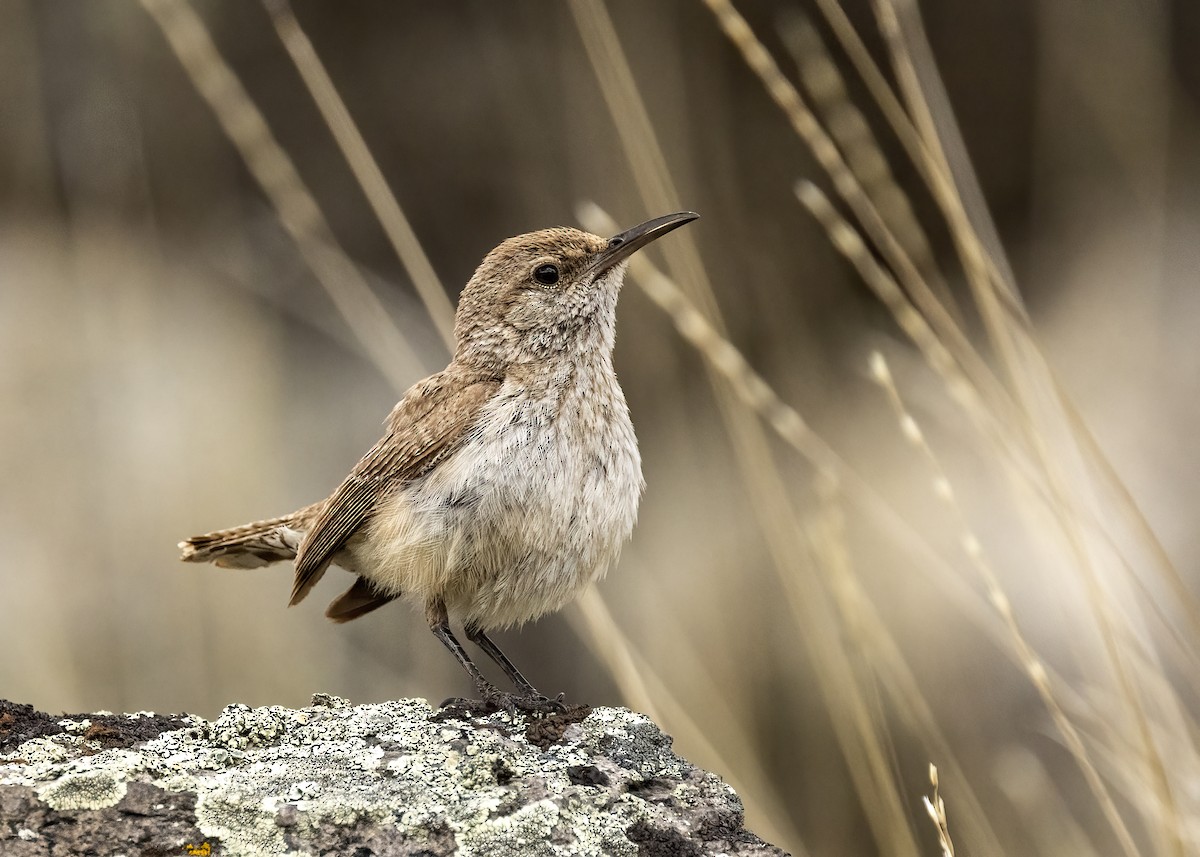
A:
173	361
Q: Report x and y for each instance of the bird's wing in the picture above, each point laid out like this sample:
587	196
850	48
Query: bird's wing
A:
423	428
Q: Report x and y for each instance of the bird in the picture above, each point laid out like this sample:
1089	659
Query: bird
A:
503	485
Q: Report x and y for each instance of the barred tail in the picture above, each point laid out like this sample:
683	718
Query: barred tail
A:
251	545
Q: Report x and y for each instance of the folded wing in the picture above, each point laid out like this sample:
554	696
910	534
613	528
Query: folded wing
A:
428	424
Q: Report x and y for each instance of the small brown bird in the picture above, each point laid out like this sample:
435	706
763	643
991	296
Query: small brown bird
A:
505	483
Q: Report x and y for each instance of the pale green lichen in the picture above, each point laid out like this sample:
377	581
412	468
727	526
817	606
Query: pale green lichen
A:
95	789
240	823
527	831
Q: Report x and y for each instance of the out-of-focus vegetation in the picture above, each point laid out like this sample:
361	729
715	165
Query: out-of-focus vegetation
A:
921	489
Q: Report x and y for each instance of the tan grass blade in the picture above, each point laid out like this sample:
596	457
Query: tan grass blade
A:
1035	667
1184	597
370	178
275	173
804	122
890	669
754	392
850	244
876	83
864	156
863	733
936	808
594	622
962	198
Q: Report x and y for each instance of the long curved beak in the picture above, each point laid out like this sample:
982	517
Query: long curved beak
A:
624	245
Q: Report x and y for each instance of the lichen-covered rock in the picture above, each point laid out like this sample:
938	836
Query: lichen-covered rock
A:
397	778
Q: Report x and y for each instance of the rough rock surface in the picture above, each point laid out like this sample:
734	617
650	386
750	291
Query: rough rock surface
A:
398	778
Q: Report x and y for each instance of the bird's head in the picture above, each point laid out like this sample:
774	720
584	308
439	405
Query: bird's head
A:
548	293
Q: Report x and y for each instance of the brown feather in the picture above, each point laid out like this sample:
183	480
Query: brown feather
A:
250	545
358	600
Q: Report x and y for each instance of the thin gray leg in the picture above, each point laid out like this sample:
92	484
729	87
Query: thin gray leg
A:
439	623
476	636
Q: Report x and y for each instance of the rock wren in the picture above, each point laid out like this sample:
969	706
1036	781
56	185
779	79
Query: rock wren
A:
505	483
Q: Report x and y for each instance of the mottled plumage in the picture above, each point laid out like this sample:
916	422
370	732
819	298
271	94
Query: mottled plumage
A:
504	484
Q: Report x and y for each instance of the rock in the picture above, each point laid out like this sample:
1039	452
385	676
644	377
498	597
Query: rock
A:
395	779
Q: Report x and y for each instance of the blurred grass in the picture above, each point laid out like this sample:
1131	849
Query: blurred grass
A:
975	588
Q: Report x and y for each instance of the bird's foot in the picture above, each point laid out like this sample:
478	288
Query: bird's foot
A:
528	701
492	699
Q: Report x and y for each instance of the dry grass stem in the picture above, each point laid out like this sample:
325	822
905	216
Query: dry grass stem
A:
890	668
594	623
753	391
860	727
851	245
1185	599
652	178
850	189
878	85
1035	667
936	808
366	170
847	241
956	191
850	129
275	173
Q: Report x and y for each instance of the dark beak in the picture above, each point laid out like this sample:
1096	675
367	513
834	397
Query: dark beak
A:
621	247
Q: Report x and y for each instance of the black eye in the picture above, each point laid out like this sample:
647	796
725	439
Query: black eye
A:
547	275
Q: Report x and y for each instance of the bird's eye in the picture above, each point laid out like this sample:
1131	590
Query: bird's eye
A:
547	275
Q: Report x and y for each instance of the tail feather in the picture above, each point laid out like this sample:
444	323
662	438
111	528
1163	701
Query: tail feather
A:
251	545
358	600
265	542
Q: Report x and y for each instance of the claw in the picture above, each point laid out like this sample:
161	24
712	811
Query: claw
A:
541	702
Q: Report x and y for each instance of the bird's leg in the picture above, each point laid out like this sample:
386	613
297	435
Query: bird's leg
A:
533	701
476	636
439	623
492	698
